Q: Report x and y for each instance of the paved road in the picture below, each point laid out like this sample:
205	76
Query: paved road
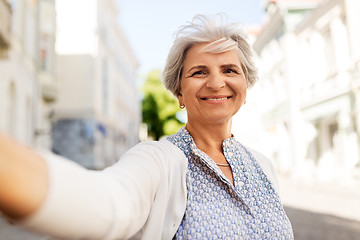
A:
320	211
342	200
317	226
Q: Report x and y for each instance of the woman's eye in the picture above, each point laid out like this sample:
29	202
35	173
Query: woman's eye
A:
198	73
230	71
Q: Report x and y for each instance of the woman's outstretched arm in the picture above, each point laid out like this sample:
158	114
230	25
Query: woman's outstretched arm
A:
49	194
23	179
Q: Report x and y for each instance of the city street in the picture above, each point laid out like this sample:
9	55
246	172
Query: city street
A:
89	80
317	212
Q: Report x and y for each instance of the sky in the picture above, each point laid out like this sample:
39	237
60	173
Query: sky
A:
150	24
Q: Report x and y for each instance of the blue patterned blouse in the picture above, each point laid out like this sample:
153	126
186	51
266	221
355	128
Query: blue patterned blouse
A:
216	209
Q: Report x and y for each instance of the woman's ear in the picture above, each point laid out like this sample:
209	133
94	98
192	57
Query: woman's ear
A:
179	97
179	94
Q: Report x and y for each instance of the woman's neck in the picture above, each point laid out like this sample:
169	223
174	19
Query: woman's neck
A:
209	136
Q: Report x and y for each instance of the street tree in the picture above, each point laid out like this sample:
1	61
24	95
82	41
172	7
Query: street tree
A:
160	109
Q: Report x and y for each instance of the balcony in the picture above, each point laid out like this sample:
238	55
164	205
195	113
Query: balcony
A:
48	87
5	25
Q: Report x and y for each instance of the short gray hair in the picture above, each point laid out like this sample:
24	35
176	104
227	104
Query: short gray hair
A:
211	29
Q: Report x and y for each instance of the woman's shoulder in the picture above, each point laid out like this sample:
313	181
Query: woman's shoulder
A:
162	150
163	145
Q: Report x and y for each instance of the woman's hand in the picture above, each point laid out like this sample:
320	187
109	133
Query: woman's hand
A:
23	179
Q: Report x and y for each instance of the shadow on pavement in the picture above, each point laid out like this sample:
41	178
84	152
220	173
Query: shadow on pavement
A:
318	226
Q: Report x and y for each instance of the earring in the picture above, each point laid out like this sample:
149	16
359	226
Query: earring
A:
182	106
245	102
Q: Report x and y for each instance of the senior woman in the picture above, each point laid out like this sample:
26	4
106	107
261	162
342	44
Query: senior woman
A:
199	183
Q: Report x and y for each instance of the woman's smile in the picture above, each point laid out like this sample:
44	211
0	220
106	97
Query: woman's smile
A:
215	99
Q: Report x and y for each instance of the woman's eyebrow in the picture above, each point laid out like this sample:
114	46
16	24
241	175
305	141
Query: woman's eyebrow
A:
197	67
230	66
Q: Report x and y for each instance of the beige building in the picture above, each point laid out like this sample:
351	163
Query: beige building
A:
97	113
309	60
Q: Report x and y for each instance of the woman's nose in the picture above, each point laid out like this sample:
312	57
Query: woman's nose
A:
215	81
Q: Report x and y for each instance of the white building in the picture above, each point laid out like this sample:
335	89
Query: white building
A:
97	113
25	68
309	60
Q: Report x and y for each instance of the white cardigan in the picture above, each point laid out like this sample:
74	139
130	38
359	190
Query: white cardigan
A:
145	190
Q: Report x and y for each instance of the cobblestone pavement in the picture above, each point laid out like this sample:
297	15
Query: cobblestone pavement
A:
316	211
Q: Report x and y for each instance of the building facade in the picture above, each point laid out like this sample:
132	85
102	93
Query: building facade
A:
25	66
309	61
68	79
97	114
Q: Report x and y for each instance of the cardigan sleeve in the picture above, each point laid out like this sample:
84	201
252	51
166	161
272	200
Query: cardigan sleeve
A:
109	204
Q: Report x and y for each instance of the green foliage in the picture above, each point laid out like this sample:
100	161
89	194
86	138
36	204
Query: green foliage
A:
159	107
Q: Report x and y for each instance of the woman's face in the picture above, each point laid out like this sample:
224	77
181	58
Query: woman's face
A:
213	86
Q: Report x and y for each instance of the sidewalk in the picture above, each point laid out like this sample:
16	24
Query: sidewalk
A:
337	200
